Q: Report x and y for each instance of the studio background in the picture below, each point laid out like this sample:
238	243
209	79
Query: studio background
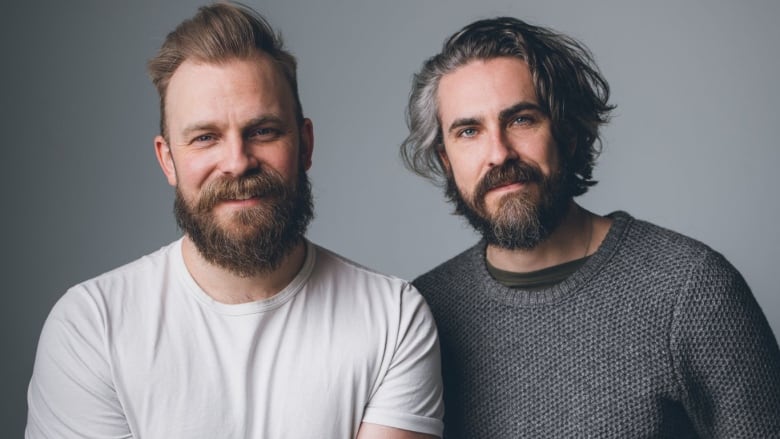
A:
692	145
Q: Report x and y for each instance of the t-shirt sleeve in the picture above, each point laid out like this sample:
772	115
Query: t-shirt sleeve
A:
410	394
71	394
726	355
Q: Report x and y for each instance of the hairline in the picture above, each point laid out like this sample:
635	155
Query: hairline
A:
256	55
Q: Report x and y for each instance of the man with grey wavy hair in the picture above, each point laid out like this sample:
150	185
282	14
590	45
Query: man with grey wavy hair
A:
561	322
242	328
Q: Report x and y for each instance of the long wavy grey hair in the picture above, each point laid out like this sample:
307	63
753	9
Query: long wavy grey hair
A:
569	87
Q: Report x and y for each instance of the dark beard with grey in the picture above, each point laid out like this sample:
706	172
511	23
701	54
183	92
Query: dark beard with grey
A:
519	222
275	226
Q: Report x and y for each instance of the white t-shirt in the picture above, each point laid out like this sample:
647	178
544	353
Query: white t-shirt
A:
143	352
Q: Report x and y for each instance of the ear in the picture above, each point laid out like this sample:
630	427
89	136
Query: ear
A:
307	143
164	157
568	141
571	147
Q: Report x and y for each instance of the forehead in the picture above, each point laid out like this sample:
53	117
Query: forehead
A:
204	90
481	88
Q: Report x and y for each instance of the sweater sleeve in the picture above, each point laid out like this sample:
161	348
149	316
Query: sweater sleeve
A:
725	354
71	394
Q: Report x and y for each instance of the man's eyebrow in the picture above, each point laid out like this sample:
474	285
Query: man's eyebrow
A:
464	121
198	126
266	118
508	113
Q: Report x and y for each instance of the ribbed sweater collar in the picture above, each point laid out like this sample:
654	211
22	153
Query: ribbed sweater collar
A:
562	291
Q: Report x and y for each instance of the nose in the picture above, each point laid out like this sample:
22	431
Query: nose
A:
500	149
237	157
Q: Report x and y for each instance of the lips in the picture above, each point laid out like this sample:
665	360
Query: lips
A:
242	197
503	184
238	197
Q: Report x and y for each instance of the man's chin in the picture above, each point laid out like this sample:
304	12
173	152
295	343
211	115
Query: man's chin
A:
229	221
494	203
238	233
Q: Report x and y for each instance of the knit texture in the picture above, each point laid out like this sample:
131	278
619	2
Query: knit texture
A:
657	335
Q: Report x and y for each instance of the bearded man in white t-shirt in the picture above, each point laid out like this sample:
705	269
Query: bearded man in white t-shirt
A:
242	328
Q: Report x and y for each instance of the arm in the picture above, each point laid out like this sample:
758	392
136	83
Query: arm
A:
375	431
71	393
408	400
727	359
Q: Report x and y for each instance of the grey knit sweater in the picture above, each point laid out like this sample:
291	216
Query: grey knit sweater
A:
656	335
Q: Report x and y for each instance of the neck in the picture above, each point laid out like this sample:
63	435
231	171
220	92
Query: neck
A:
578	235
227	287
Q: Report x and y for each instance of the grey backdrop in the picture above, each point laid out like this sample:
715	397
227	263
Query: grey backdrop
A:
692	146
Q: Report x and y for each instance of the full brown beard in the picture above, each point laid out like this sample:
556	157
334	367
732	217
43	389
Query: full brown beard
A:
520	220
262	235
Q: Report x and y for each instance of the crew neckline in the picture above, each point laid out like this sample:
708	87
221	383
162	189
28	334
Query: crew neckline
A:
256	307
519	297
537	279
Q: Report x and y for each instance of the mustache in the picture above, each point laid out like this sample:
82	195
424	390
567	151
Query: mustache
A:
514	171
264	184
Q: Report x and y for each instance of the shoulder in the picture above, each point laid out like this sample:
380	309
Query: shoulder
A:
336	267
456	271
677	266
73	385
358	283
377	301
640	234
112	290
649	247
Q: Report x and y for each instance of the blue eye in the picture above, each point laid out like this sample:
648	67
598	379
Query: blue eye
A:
265	133
468	132
203	139
523	120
